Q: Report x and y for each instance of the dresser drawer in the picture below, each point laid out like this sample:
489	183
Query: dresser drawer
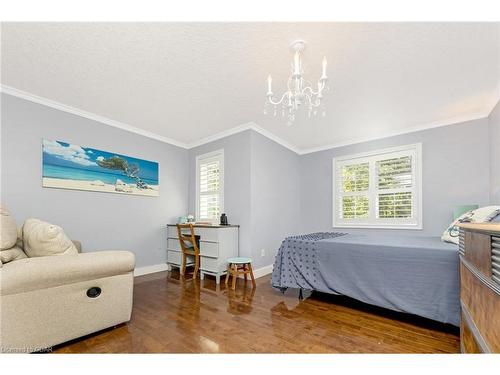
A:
209	249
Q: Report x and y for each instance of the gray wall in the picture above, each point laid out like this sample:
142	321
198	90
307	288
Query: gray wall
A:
99	220
236	182
494	123
261	191
455	171
270	191
275	197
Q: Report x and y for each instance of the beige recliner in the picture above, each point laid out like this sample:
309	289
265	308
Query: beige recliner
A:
48	300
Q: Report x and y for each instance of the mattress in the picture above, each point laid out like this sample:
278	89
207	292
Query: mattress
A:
412	274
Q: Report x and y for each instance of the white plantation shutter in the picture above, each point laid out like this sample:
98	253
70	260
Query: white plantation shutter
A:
353	180
209	186
395	182
378	189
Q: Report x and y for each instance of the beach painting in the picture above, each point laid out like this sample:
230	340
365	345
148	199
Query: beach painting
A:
68	166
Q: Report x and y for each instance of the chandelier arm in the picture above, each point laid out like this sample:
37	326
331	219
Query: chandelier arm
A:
311	91
279	101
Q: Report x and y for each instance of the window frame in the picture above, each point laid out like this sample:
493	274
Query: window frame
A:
214	155
372	221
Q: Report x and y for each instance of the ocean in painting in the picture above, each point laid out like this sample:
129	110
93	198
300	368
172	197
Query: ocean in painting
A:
69	166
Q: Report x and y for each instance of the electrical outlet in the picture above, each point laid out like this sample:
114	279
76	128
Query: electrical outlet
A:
263	252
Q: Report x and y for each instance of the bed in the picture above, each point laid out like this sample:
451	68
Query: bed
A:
417	275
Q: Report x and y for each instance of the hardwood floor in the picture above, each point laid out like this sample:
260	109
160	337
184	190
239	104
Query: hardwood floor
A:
173	315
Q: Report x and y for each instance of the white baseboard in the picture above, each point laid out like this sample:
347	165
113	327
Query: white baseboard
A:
139	271
262	271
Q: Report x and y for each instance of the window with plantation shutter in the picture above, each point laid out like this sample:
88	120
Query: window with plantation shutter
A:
379	189
209	186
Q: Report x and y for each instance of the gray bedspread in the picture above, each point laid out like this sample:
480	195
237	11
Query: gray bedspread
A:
417	275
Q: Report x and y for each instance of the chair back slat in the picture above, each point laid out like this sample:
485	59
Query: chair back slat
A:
188	237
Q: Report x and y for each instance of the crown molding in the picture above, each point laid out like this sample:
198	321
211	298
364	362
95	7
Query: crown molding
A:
274	138
432	125
91	116
223	134
243	127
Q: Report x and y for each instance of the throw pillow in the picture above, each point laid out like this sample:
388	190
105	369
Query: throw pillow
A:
42	239
480	215
8	229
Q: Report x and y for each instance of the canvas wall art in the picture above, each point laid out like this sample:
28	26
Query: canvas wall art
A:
68	166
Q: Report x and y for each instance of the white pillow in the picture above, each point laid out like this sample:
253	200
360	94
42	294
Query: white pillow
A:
480	215
8	229
43	239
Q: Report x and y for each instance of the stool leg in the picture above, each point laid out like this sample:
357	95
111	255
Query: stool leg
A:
245	270
251	275
235	275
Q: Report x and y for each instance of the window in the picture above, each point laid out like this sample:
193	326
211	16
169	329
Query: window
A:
379	189
210	186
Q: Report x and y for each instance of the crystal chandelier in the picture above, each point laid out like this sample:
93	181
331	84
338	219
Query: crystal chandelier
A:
300	92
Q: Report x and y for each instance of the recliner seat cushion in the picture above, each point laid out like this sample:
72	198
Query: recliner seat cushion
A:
48	272
42	239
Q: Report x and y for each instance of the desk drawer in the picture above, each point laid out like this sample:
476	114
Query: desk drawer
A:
172	232
175	257
206	234
209	249
213	264
173	244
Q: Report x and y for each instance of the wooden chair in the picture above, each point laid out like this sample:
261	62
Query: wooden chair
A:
189	247
239	266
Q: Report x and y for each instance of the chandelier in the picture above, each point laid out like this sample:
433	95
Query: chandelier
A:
299	91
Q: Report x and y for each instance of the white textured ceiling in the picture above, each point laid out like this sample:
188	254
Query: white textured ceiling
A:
189	81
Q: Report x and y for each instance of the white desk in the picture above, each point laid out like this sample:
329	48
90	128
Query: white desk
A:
217	244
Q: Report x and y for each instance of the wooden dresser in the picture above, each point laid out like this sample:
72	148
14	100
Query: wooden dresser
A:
217	244
480	288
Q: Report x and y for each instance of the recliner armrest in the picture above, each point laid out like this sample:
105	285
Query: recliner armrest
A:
46	272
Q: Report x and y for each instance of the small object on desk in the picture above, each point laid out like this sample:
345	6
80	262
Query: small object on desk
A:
182	220
223	220
239	266
190	218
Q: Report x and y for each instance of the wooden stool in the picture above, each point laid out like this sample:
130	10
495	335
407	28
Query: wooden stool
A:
239	266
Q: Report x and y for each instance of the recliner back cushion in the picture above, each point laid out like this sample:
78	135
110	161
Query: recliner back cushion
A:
42	239
8	229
